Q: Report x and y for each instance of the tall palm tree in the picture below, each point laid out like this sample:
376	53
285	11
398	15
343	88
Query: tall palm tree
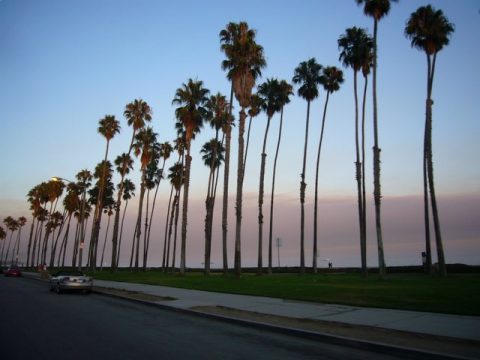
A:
84	180
71	204
3	236
244	62
429	30
356	52
191	113
377	9
219	120
21	223
108	127
33	198
54	190
331	80
128	193
307	74
104	167
212	157
145	147
269	91
176	177
137	114
285	91
12	225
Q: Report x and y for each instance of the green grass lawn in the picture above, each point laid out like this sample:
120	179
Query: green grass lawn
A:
455	294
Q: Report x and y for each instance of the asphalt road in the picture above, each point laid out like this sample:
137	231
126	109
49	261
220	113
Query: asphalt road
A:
37	324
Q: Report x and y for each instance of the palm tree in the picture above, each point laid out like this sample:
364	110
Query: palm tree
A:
84	180
219	120
191	113
356	52
429	30
145	147
285	91
331	80
71	204
54	190
269	91
212	157
33	197
137	114
128	193
104	167
12	225
108	128
307	74
376	9
179	146
3	235
244	62
176	177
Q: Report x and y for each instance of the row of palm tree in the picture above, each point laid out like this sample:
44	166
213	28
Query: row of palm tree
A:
427	28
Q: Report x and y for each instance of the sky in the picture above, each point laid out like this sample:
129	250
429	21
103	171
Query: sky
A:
64	65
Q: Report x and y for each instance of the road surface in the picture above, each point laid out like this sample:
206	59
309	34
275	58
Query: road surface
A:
38	324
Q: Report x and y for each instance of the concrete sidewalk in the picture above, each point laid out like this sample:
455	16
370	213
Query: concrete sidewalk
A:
453	326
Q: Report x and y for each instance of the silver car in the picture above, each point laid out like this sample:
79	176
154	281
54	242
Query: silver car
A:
71	280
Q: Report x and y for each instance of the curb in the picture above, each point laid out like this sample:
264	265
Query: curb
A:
404	352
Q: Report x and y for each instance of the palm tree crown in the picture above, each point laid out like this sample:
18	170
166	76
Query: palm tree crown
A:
356	48
428	29
244	61
269	91
375	8
108	127
331	78
191	113
307	74
137	112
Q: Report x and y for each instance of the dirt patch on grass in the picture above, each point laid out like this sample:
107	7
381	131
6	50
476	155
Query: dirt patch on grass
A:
133	294
437	344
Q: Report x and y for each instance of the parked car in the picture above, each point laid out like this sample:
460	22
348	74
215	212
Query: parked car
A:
13	271
71	280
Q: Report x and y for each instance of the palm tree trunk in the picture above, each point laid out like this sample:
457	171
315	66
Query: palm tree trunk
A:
104	243
177	213
429	154
185	210
145	243
121	234
364	203
272	195
169	234
226	174
239	198
139	222
29	246
303	186
165	253
116	223
260	200
358	173
377	195
315	212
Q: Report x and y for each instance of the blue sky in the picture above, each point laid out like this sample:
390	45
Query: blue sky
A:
66	64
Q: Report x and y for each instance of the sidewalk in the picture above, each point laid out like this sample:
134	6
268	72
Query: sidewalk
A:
442	328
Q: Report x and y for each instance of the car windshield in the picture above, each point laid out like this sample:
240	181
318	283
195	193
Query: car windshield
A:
69	273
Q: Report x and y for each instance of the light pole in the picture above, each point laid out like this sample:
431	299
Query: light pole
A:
82	213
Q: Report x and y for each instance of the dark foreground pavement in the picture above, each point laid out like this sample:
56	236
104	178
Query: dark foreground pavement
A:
38	324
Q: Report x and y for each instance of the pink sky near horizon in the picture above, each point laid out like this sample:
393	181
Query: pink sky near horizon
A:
403	232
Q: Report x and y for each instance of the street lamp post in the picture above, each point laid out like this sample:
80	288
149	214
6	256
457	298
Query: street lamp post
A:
82	213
